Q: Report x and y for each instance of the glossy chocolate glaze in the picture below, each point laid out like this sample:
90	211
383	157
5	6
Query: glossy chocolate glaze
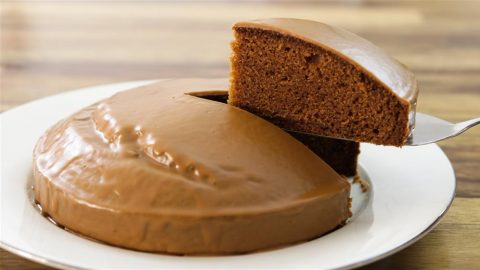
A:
159	170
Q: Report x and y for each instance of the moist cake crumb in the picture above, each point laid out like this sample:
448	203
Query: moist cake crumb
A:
302	86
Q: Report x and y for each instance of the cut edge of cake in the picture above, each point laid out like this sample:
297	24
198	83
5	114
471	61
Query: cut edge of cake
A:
358	52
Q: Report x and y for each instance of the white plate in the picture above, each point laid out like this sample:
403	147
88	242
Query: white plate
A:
411	188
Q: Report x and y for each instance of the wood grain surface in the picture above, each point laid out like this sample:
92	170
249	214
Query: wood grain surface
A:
49	47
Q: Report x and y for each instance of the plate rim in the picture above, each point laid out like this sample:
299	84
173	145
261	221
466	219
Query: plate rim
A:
56	264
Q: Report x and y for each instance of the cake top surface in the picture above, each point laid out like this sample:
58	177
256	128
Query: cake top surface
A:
351	47
156	149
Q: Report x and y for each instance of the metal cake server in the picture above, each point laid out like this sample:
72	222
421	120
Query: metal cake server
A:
430	129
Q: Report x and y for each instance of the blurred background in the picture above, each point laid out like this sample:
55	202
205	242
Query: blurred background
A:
48	47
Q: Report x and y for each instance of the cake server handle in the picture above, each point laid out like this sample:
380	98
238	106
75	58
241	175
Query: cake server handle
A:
430	129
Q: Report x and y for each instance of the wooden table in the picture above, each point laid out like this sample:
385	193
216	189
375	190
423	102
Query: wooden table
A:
49	47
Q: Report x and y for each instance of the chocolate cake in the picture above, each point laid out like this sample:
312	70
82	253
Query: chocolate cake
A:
167	168
310	77
159	169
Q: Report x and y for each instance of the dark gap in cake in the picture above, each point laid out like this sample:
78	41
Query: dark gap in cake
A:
215	95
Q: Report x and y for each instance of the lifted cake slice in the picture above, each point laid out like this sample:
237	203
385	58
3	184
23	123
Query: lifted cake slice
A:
310	77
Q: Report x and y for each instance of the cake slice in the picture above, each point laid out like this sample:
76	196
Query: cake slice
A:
310	77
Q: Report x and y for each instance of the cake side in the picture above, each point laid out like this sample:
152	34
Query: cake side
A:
190	235
304	87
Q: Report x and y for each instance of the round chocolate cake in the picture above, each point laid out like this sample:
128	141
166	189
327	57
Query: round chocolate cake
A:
159	169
